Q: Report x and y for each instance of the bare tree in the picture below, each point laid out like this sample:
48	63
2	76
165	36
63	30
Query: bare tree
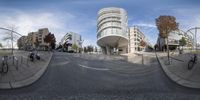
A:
165	25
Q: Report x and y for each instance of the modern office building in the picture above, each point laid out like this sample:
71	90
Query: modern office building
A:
71	38
173	39
112	30
135	38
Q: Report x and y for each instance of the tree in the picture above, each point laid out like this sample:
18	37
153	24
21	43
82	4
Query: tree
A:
90	48
156	47
85	49
53	43
165	25
182	42
142	43
50	38
75	47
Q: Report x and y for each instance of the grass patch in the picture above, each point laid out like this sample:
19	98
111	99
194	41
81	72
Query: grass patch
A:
5	52
195	51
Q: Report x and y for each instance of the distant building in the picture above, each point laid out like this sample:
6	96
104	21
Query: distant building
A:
41	34
71	38
32	38
173	40
135	38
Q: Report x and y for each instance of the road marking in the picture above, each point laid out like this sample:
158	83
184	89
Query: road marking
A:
104	69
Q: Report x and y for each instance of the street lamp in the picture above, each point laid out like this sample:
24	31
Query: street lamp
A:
194	36
12	31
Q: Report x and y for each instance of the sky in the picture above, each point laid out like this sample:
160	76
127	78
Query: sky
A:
79	16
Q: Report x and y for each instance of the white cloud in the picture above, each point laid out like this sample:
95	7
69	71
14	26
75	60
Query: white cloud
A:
89	42
145	25
58	22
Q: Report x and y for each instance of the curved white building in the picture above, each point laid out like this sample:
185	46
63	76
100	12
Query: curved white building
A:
112	30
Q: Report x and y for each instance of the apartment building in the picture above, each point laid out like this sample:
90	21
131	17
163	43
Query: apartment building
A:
41	34
135	38
33	37
31	40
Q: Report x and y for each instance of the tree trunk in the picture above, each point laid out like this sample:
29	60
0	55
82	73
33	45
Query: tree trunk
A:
167	49
159	44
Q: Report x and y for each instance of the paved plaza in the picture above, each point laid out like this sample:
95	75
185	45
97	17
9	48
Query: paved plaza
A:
178	69
23	72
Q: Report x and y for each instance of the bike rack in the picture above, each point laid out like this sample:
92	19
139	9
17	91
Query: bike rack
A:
3	61
16	61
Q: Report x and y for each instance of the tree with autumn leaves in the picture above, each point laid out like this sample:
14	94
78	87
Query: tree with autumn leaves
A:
142	43
51	40
166	24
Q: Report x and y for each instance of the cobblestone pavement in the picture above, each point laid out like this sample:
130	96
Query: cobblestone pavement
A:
70	77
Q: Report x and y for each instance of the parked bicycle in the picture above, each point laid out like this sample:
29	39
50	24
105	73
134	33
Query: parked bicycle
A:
32	56
4	67
192	62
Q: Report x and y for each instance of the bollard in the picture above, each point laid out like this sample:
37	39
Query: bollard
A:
142	59
170	60
27	62
15	58
21	59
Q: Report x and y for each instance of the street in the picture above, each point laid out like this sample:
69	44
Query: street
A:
73	77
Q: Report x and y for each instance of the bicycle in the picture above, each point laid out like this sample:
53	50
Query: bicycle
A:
192	62
34	56
4	68
31	56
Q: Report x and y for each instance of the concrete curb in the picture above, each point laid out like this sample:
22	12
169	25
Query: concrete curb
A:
27	81
176	78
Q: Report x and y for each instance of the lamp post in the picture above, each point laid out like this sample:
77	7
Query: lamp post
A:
12	45
12	31
194	36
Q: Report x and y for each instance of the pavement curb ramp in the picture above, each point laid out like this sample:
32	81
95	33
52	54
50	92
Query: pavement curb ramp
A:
28	81
176	78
